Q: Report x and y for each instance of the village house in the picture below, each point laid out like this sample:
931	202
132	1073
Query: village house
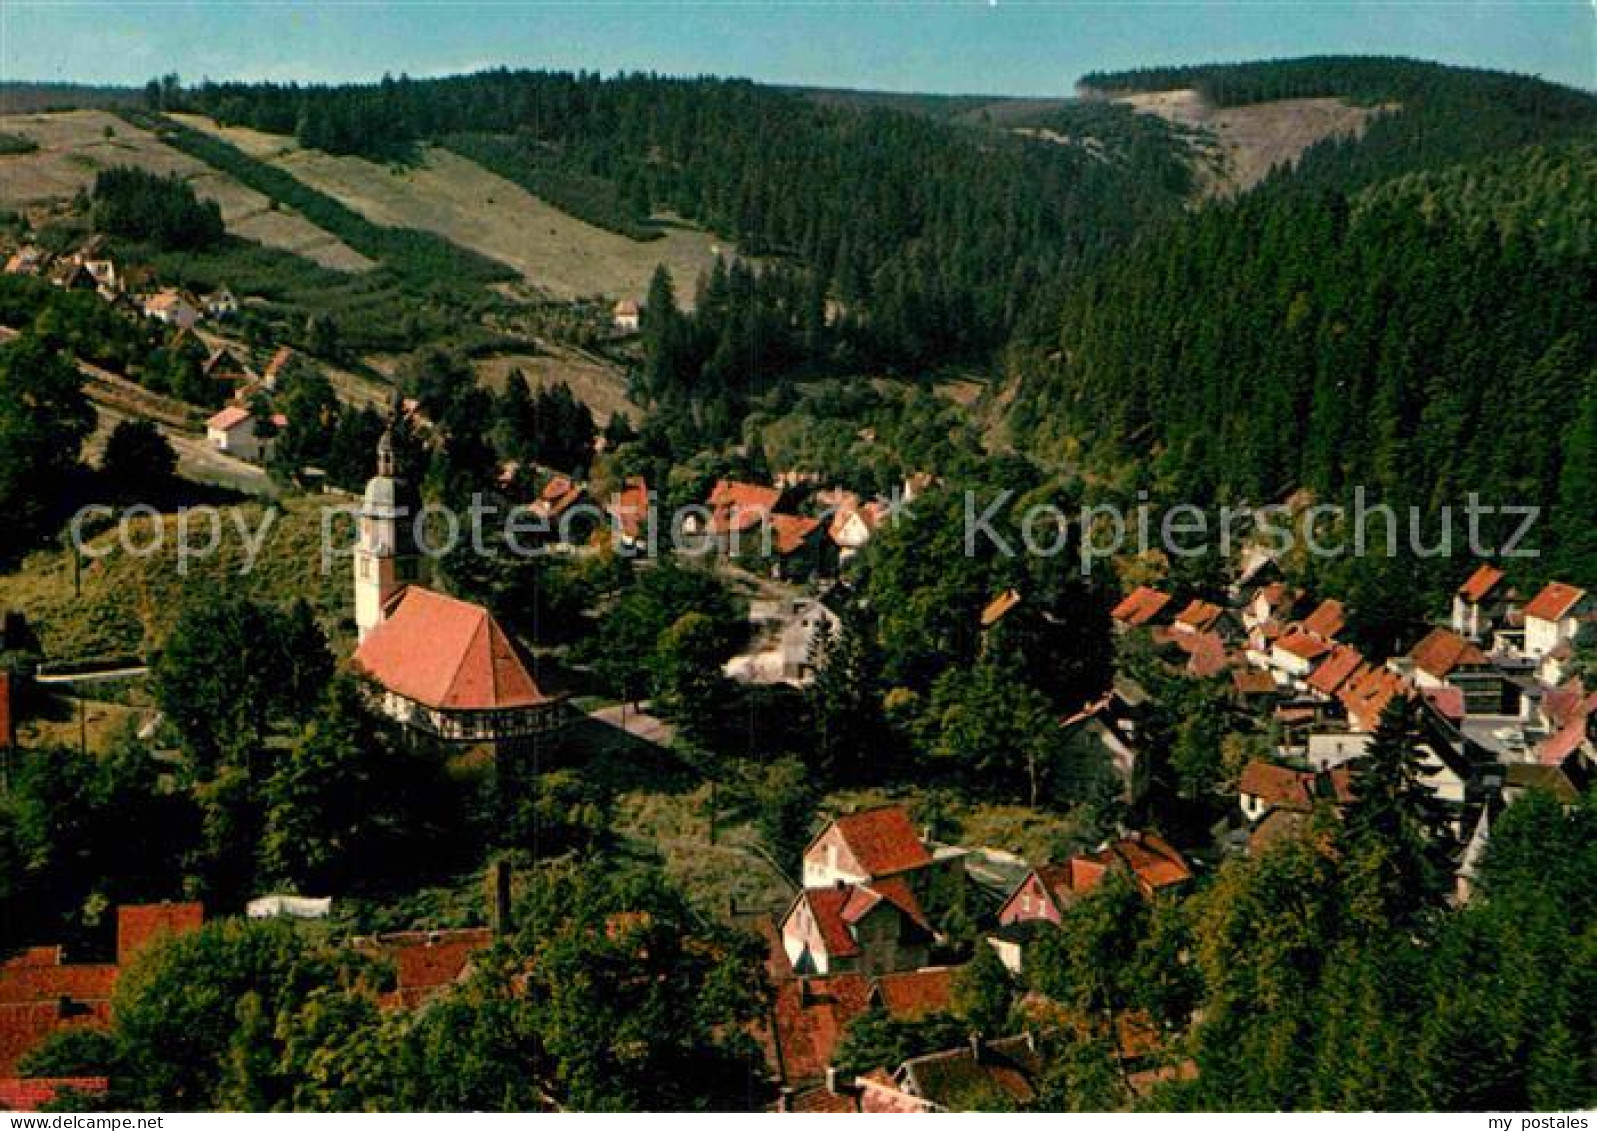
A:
561	505
1265	787
1327	620
629	511
1442	656
857	928
1556	620
1334	671
28	260
236	431
1148	861
627	317
797	546
426	964
1143	607
983	1075
1294	656
440	665
809	1017
850	524
41	994
1198	616
869	845
1481	603
1101	745
1275	603
220	304
172	308
804	638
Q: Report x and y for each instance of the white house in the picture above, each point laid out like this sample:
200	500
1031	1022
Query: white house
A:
1480	602
172	308
627	317
235	431
1560	614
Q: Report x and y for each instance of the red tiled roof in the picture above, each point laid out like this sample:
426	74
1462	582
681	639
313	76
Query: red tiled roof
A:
1554	602
893	890
1443	651
1447	701
447	654
33	956
1140	606
1280	787
739	506
1251	681
229	418
1367	695
1150	858
559	495
790	532
1480	584
1327	620
915	993
1206	654
1335	670
1277	786
1568	702
1199	615
999	607
426	962
282	357
809	1016
731	493
826	908
24	985
1302	645
819	1101
1556	749
630	506
883	840
139	925
31	1093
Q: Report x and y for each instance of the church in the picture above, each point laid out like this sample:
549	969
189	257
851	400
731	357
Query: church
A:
442	666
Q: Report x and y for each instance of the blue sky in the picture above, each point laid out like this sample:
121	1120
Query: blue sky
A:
968	46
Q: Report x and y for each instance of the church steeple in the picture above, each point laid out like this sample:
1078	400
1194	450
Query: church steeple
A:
386	559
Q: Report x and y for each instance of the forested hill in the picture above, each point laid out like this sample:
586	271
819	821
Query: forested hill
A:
1427	339
932	235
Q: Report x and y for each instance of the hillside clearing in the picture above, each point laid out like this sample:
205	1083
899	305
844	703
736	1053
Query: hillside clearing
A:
130	602
600	386
74	146
1251	140
463	202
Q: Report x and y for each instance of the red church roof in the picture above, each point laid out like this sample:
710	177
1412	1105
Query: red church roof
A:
448	655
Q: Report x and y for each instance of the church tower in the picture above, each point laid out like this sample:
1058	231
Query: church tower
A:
386	558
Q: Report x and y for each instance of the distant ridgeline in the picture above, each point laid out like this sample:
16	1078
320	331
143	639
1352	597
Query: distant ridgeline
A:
1449	114
1415	312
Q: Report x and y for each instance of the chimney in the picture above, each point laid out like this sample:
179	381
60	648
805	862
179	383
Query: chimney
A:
831	1080
498	882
